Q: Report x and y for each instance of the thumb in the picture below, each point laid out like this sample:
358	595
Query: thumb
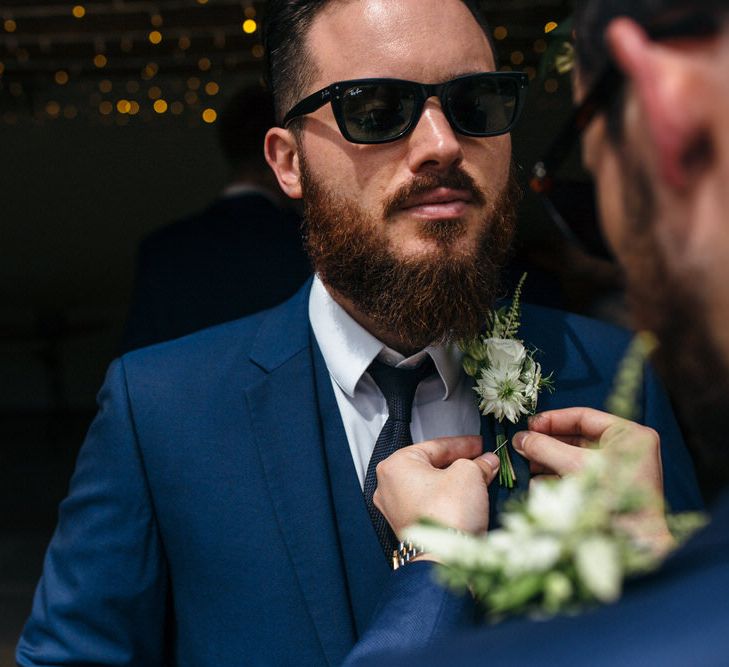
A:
489	464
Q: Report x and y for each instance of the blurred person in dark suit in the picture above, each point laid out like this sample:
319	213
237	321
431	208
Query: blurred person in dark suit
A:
240	255
654	92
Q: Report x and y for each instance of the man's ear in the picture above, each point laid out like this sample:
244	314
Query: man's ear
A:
670	98
282	154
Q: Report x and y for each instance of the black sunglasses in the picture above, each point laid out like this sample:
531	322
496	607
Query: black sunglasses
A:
377	111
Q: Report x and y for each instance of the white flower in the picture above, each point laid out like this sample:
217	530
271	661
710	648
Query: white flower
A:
505	353
557	506
599	567
502	393
521	553
531	377
452	547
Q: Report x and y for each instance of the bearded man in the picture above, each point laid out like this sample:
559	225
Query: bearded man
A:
222	510
654	94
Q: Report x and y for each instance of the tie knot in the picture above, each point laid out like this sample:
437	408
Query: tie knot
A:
398	385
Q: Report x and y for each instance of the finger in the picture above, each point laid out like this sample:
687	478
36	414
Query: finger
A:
538	469
549	452
575	441
489	464
586	422
441	452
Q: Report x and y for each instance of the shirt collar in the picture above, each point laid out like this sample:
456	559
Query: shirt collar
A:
348	348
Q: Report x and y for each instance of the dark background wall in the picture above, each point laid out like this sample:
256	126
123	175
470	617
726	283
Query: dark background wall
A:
76	199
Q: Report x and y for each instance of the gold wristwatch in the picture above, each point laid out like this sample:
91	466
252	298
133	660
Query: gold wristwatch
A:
404	553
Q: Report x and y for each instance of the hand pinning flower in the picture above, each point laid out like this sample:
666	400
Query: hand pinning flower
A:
508	379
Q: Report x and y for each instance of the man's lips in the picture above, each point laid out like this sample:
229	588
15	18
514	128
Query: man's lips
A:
440	203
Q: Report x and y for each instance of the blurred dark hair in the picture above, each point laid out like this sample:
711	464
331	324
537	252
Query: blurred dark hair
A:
242	126
592	18
288	66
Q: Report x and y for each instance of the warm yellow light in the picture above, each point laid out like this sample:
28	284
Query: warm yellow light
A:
517	57
105	86
500	32
212	88
209	115
150	70
100	60
155	37
154	93
123	106
249	26
105	108
177	108
133	108
53	108
160	106
61	77
202	2
10	25
204	64
79	11
552	25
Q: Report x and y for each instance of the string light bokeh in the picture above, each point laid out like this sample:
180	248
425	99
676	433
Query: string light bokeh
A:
121	61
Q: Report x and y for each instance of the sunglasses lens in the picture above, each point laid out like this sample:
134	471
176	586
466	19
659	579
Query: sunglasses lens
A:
483	105
377	112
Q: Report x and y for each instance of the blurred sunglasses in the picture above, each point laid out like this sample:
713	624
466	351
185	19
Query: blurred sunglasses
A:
606	87
377	111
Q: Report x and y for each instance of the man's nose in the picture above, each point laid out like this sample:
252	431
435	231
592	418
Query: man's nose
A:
433	144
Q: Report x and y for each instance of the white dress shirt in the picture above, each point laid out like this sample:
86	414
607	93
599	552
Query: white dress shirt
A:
444	403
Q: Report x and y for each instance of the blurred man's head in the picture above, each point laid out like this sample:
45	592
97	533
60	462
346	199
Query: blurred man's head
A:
660	156
242	127
409	233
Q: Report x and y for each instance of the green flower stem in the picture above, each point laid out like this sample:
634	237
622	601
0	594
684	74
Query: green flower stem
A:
507	476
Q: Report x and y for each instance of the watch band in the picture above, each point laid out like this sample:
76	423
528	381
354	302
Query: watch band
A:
404	553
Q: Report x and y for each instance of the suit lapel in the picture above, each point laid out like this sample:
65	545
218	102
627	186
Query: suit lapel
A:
286	427
365	564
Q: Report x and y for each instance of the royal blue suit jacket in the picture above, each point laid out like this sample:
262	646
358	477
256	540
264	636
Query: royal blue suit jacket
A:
675	617
211	519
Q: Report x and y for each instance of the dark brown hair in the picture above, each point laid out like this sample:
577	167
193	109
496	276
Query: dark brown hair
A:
288	65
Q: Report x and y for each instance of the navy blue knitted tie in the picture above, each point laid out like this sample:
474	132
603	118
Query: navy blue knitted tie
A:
398	385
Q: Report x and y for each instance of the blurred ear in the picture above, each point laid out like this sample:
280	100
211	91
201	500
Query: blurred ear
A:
282	155
671	97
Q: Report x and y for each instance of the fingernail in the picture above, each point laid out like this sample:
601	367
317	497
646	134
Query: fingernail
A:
492	460
518	441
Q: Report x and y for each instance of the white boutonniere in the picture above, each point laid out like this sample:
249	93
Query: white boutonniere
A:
508	379
571	542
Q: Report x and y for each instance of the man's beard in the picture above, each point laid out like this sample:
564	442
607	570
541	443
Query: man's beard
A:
670	304
423	301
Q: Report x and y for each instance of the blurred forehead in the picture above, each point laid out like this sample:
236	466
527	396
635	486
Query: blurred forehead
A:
422	40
